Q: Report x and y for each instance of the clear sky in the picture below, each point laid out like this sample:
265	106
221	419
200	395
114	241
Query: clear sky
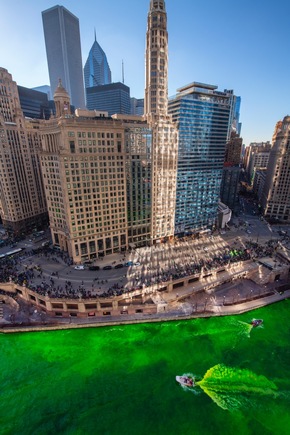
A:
241	45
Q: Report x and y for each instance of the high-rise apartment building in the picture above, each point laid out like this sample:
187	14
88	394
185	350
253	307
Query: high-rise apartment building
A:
113	98
204	116
233	150
97	71
63	50
275	199
257	157
164	132
22	199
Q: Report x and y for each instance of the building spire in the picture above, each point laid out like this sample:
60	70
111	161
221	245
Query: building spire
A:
95	34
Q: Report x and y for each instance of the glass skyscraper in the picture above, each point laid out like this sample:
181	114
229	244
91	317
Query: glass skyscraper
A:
97	71
63	50
204	117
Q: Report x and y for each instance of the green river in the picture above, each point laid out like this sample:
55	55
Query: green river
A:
121	380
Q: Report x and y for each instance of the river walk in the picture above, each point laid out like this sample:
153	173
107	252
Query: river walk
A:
176	312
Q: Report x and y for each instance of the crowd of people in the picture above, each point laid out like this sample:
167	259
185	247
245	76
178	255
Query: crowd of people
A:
158	264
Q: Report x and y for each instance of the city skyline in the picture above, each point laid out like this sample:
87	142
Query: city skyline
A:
233	48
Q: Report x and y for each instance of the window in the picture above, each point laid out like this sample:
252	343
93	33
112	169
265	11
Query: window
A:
72	146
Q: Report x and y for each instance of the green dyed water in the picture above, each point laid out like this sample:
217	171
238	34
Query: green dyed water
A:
121	380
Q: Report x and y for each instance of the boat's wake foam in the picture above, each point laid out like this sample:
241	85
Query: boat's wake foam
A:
232	388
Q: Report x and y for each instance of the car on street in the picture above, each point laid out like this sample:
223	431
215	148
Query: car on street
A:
94	267
137	263
118	266
79	267
129	263
107	267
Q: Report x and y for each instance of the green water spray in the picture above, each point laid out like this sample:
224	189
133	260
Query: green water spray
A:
231	388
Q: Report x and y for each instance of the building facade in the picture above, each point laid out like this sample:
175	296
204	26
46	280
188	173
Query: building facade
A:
63	51
164	131
204	116
113	98
257	157
137	106
259	183
233	150
22	199
94	170
275	199
97	71
230	187
34	104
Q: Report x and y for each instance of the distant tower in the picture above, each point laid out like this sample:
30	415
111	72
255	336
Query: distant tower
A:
156	91
63	50
97	71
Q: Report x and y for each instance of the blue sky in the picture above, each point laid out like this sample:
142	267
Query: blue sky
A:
242	45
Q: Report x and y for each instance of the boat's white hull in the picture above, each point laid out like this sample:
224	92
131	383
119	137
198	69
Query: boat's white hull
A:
185	381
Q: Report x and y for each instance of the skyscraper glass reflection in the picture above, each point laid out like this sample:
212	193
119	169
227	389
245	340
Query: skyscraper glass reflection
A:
204	117
97	71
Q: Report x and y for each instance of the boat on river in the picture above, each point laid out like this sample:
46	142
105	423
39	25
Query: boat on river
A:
256	322
186	381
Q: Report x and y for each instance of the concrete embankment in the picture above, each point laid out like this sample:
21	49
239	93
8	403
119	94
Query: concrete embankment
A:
212	310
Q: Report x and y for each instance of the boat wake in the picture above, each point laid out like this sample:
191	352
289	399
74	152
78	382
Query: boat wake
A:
232	388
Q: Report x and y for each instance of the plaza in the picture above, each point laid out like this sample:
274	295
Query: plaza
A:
189	276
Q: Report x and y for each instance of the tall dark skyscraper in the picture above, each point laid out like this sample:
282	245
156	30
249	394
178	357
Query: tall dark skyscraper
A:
63	50
97	71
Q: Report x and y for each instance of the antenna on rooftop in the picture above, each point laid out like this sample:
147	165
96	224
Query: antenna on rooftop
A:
123	75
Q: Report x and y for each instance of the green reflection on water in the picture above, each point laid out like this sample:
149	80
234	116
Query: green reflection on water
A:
121	380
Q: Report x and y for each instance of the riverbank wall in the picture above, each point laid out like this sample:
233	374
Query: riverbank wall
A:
213	311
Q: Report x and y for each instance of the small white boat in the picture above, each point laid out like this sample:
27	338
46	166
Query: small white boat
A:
186	381
256	322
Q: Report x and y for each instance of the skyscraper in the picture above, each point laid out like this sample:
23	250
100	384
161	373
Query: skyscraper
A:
275	199
63	50
156	91
22	198
164	132
97	71
34	104
113	98
205	117
257	157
